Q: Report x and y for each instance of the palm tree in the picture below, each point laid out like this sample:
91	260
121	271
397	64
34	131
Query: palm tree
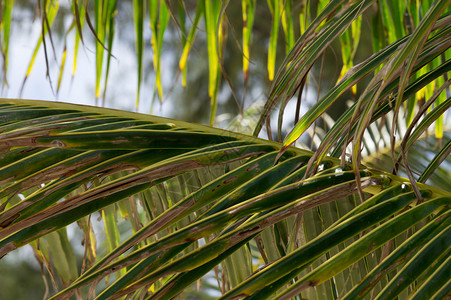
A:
183	203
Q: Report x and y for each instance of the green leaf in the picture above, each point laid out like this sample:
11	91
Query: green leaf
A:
62	255
138	14
276	11
51	10
248	8
159	17
183	203
5	27
190	40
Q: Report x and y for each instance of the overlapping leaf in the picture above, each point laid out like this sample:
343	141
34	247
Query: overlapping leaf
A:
197	199
86	159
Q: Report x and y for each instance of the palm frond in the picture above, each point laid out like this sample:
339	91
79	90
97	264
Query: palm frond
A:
63	162
178	200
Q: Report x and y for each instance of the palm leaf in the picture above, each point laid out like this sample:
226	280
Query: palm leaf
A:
179	200
64	162
5	26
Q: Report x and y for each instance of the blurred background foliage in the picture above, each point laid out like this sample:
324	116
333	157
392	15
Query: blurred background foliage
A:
210	62
244	78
